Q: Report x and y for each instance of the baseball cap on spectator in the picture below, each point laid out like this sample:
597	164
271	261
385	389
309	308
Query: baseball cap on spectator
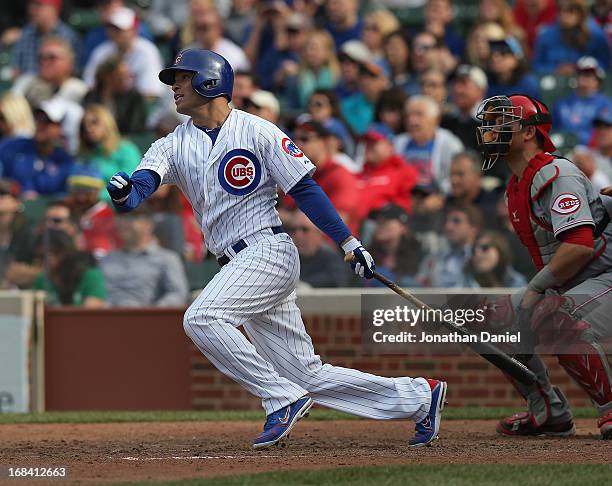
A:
312	126
473	73
298	21
355	51
377	132
425	188
508	44
53	3
603	117
590	64
371	69
390	212
53	109
336	128
264	99
85	178
123	18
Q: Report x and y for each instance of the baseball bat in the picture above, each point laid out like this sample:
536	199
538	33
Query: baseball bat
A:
493	355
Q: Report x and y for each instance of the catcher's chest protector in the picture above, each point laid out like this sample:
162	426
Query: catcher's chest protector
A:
520	196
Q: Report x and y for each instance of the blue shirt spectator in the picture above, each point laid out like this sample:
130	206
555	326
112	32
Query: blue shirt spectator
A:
343	21
36	173
560	45
44	21
98	35
508	70
576	112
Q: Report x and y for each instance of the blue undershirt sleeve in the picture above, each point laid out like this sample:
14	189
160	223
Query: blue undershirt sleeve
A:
144	183
315	204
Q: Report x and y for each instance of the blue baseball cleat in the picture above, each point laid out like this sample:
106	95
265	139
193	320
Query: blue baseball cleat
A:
427	429
279	424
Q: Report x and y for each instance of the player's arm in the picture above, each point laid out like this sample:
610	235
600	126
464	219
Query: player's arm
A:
128	192
315	204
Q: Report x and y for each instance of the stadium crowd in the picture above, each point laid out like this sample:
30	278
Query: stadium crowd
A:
380	95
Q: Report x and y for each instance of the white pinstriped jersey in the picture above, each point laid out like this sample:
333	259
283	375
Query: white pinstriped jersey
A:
231	185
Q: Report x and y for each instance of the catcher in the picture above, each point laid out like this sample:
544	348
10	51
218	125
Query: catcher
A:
562	221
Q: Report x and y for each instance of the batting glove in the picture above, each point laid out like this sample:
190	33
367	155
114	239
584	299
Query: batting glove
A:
362	262
119	187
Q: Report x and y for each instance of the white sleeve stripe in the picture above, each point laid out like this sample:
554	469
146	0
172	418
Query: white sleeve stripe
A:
580	222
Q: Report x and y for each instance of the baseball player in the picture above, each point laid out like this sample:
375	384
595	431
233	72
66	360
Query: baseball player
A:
228	163
562	221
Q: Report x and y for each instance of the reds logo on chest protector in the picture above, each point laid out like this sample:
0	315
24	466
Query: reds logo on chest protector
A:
519	206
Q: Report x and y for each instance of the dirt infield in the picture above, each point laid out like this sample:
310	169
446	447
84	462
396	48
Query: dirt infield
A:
98	453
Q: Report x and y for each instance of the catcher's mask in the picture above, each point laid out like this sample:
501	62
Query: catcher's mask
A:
501	116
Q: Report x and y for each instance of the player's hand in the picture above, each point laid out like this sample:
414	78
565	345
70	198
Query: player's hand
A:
361	261
119	187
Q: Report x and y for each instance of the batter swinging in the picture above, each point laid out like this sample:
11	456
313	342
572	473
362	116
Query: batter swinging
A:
228	164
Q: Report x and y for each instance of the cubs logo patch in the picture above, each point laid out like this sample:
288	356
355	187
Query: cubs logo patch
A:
178	58
291	148
239	172
566	203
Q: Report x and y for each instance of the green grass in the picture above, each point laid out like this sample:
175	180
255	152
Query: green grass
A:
466	413
423	475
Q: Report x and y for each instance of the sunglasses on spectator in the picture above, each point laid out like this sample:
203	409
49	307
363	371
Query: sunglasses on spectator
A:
483	247
317	103
56	220
293	30
455	220
423	47
49	57
372	27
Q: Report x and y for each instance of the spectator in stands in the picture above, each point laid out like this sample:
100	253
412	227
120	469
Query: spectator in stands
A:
385	178
602	15
58	216
70	277
265	105
508	73
96	218
445	268
422	55
102	146
532	15
15	233
490	264
438	16
602	137
389	109
397	55
433	84
425	145
477	50
353	54
584	159
469	87
465	181
43	20
376	26
55	76
39	164
240	16
167	16
500	12
141	55
283	57
324	107
319	263
398	253
575	113
113	89
99	34
358	109
559	46
16	118
343	20
337	182
245	83
208	34
143	274
318	68
341	145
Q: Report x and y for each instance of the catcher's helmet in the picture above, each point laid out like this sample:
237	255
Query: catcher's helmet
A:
213	75
498	116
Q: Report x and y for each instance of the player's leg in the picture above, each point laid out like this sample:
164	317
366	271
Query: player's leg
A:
254	281
589	331
280	336
548	411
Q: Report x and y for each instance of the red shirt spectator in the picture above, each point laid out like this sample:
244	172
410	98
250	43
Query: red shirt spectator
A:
98	229
531	14
386	178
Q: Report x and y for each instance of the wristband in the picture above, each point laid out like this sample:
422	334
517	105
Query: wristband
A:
351	245
542	280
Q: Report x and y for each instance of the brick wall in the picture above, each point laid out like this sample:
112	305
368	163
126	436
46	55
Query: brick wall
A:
472	380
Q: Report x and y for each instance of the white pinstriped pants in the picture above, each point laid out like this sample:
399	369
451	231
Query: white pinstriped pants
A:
279	365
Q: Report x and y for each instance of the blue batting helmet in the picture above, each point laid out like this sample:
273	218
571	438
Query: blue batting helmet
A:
213	75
